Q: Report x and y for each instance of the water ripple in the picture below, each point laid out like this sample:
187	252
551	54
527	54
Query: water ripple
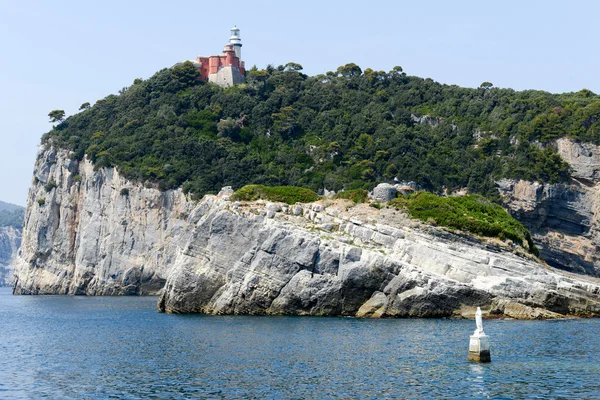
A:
120	348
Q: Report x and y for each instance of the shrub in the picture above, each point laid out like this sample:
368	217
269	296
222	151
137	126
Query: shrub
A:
124	192
50	185
284	194
41	201
76	178
471	213
356	195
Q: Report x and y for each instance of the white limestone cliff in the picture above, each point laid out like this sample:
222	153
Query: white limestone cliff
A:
96	233
336	259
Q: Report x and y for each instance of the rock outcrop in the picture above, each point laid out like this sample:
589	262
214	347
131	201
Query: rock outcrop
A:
564	219
10	240
240	259
384	192
93	232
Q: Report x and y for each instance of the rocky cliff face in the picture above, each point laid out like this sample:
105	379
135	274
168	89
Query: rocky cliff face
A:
10	240
563	219
93	232
329	259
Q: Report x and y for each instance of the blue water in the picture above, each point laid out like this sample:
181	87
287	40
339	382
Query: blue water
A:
119	347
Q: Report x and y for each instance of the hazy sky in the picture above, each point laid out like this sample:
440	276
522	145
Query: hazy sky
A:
59	54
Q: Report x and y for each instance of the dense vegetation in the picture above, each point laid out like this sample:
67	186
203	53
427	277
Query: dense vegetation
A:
284	194
471	213
347	129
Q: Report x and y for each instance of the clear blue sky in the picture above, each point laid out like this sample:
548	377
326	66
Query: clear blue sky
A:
60	54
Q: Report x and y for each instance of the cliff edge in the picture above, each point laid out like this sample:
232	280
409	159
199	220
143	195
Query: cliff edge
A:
336	258
93	232
564	219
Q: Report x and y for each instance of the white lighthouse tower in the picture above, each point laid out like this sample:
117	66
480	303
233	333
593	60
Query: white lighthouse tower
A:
236	41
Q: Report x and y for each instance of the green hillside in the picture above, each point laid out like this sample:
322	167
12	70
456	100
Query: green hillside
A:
11	215
347	129
9	206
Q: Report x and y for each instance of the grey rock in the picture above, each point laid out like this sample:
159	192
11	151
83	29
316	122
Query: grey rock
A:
584	158
563	218
282	269
384	192
77	243
317	207
275	207
218	260
425	120
226	191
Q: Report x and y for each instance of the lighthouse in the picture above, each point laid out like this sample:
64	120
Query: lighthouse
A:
236	42
225	69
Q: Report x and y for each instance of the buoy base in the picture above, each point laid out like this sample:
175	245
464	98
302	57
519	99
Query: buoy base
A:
479	348
483	356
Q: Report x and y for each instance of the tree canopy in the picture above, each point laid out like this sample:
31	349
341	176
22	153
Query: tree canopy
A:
348	129
56	116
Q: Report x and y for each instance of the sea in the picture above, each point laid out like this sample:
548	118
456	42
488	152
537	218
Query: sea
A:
65	347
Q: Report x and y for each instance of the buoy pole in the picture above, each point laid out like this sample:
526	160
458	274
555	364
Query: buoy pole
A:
479	343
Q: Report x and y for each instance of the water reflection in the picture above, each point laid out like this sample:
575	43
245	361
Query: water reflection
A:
478	381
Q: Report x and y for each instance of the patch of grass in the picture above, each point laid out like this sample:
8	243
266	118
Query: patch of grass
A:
471	213
356	195
284	194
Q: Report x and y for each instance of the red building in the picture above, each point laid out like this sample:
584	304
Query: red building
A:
226	69
210	65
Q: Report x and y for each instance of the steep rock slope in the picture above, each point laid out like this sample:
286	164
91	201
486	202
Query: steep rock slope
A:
564	219
252	258
92	232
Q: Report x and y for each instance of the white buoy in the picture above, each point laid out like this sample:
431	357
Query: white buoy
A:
479	345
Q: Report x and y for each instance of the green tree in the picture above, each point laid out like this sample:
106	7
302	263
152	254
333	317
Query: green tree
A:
341	130
229	128
84	106
397	71
391	171
486	85
292	66
284	121
349	70
186	73
56	116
